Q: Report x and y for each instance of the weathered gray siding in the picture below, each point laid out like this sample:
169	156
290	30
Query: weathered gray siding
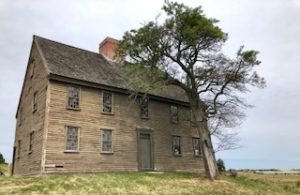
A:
29	163
124	123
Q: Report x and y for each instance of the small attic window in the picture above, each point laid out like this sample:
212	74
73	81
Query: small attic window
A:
32	64
144	111
34	101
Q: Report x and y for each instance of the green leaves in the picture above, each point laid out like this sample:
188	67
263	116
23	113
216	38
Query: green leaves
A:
190	25
185	50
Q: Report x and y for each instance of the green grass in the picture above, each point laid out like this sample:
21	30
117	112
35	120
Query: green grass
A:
4	168
138	183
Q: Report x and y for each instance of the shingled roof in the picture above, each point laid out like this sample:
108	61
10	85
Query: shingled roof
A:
74	63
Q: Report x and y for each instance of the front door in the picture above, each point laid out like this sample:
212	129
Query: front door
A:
145	151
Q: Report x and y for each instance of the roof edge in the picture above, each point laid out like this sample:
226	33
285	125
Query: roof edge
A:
39	37
69	80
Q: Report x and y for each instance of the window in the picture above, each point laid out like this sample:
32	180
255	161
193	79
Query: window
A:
72	139
19	149
32	68
31	136
73	99
107	102
174	114
144	113
34	101
106	141
176	145
196	146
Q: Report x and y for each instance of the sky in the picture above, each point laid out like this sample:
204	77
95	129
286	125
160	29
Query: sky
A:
270	134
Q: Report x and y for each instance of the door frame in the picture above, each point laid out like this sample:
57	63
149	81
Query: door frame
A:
150	132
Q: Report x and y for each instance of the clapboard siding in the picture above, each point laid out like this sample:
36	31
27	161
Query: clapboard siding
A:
52	65
27	121
124	123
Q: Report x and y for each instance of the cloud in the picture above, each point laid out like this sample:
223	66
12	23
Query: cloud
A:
269	132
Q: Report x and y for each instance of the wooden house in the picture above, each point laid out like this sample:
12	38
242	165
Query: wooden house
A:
75	115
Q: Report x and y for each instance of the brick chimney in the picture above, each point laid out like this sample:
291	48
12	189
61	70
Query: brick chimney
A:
108	46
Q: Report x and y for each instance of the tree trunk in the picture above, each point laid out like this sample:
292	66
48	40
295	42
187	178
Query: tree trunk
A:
206	145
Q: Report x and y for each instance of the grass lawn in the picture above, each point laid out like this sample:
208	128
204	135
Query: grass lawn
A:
4	168
140	183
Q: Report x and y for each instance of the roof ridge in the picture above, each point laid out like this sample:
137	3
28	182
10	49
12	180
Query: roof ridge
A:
85	50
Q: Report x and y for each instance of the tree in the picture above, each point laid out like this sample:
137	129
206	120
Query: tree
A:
185	51
2	160
221	165
221	127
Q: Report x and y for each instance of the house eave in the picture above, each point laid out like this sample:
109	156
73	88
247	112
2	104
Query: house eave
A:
68	80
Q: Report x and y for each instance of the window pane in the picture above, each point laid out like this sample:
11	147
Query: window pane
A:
73	101
72	138
106	140
174	114
144	107
196	146
34	101
176	145
107	102
31	135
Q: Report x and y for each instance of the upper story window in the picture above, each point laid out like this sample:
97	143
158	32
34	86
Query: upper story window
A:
31	137
72	139
176	145
34	101
106	145
107	101
174	114
144	111
74	98
196	146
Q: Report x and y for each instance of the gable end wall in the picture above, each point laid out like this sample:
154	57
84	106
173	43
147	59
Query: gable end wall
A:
29	163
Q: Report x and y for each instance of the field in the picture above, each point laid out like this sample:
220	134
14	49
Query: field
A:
151	183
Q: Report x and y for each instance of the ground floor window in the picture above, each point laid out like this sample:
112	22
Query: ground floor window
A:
72	138
196	146
106	141
176	142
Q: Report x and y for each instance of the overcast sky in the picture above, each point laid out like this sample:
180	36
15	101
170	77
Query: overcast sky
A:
270	135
